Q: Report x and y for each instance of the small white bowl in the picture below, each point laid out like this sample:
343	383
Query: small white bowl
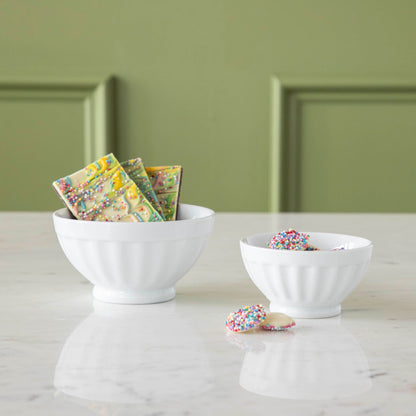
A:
135	263
307	284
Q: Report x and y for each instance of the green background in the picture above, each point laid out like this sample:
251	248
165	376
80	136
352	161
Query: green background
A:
193	87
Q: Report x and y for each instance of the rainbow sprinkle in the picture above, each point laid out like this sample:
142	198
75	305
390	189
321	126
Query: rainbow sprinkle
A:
291	240
246	318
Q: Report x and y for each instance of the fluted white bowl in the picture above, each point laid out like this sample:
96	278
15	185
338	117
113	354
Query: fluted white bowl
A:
307	284
135	263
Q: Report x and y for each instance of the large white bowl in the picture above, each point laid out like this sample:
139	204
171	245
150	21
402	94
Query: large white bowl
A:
135	263
307	284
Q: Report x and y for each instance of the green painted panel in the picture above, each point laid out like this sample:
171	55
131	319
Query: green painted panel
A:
357	155
193	78
41	140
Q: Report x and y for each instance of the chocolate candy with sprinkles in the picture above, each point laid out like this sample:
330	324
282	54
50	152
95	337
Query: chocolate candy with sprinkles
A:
245	319
291	240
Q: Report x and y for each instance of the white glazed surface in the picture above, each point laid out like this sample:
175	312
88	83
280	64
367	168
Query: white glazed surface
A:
135	263
307	284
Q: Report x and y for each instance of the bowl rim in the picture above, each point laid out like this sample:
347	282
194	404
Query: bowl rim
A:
369	244
209	213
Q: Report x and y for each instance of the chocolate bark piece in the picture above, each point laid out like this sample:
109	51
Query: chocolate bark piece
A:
166	182
102	191
137	172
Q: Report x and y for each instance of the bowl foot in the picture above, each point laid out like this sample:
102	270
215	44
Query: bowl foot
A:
297	312
131	297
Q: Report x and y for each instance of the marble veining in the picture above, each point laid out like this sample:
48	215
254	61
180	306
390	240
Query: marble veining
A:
63	353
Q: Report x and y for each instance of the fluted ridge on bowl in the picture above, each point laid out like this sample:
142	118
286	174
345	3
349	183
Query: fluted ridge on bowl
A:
123	266
135	262
307	284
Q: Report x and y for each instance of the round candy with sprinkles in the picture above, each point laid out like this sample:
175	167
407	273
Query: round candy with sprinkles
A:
277	322
291	240
246	318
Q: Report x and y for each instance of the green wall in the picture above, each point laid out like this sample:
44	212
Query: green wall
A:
193	87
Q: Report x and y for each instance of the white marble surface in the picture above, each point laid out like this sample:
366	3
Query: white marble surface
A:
63	354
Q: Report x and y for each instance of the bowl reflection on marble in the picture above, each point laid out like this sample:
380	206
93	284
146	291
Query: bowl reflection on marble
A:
121	354
135	263
307	284
320	360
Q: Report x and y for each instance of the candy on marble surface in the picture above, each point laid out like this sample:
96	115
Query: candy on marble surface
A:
103	191
166	182
291	240
137	172
246	318
276	321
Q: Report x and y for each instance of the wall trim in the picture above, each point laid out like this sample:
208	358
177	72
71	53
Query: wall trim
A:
287	97
97	97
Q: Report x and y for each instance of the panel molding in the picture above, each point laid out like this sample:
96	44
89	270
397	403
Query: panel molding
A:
96	96
287	97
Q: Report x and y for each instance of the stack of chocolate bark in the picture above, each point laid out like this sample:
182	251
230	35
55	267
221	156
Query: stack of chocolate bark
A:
107	190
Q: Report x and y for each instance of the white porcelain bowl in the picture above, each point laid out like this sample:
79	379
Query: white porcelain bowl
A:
307	284
135	263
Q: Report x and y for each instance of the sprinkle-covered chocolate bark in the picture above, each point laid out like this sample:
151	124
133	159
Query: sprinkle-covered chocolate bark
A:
137	172
103	191
166	182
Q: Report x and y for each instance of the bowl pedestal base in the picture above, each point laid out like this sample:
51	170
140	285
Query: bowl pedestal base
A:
131	297
299	312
